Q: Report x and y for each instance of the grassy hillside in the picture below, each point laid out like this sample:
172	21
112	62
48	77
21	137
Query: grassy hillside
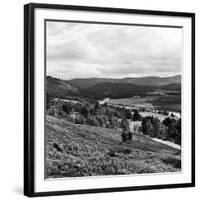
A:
83	150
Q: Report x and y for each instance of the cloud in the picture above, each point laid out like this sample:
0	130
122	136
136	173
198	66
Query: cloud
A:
79	50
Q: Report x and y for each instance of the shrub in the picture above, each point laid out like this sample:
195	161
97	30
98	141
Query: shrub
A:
80	120
92	121
172	161
172	115
69	118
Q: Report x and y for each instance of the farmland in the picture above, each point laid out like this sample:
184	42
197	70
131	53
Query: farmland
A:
137	101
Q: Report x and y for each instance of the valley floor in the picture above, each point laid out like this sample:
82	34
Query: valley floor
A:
74	150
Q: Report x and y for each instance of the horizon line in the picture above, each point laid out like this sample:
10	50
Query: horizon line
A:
113	78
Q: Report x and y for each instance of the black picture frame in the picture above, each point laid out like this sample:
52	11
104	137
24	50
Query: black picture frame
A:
29	81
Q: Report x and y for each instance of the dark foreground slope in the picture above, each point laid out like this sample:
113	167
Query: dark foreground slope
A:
81	150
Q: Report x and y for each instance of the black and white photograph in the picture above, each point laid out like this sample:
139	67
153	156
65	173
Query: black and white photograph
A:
108	99
112	99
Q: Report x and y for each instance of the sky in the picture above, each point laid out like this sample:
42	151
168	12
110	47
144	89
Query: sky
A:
82	50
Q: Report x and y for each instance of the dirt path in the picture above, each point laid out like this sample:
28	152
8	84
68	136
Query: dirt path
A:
171	144
168	143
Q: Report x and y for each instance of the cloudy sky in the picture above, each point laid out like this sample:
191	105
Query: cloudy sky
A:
80	50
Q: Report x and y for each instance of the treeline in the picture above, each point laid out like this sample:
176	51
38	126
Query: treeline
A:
169	129
91	113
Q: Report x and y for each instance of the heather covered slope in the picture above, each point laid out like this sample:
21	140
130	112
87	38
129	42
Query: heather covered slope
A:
83	150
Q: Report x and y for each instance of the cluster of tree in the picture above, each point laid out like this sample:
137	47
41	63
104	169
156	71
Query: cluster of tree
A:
168	129
137	116
90	113
164	112
48	101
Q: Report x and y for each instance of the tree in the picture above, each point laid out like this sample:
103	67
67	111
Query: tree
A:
100	119
169	129
173	127
117	113
144	125
128	113
137	116
126	136
149	129
156	127
92	111
124	125
80	120
151	126
67	108
167	121
165	113
178	125
96	107
84	112
163	134
172	132
105	120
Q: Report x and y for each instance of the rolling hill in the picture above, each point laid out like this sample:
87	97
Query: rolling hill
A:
113	88
116	90
150	81
171	87
81	150
60	88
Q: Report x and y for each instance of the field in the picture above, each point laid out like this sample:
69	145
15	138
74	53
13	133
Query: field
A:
165	102
75	150
159	116
142	102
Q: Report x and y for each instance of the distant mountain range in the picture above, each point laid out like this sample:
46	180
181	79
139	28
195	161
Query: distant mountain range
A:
125	90
144	81
113	88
